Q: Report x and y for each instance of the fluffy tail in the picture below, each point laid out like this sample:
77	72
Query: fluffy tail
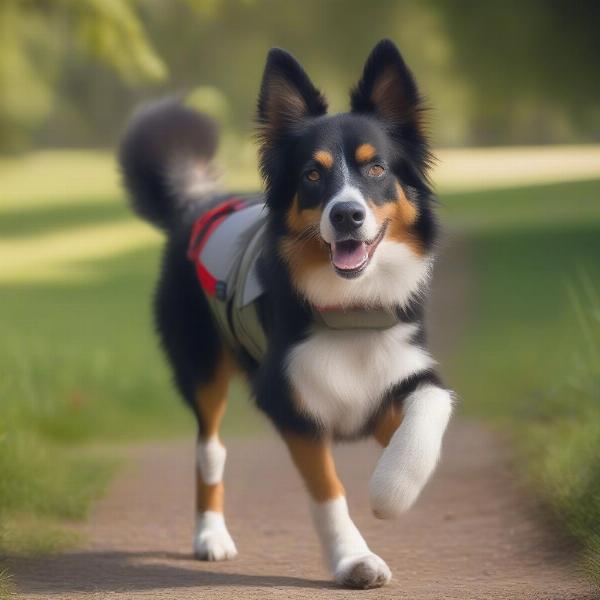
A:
165	157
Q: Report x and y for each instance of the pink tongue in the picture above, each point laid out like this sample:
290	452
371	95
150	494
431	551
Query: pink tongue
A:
348	255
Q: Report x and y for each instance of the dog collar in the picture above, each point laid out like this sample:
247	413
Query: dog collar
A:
355	317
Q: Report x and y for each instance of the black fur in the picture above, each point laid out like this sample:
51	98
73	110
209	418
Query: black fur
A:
160	134
291	124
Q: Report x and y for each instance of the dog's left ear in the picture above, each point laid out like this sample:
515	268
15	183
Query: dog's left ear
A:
287	97
387	88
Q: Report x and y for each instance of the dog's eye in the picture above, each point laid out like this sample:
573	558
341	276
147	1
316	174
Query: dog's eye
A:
313	175
376	171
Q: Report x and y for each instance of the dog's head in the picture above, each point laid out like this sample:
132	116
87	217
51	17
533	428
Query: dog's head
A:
348	193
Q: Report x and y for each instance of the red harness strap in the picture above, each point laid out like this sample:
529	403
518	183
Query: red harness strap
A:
203	228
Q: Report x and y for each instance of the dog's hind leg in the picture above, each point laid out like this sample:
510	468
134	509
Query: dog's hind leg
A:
350	559
201	369
212	541
412	437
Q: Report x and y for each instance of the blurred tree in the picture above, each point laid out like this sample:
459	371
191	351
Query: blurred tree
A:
518	71
531	66
223	43
36	37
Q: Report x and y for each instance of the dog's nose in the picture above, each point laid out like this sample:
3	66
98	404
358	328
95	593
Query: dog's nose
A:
346	217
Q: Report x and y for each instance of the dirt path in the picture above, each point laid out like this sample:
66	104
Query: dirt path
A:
471	536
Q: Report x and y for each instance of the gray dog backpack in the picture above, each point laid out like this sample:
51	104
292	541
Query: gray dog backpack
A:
224	246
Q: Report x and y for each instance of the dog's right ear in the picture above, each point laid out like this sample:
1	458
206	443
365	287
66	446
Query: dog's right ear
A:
287	96
388	90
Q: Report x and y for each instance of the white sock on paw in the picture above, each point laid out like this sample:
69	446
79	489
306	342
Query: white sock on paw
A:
413	452
350	559
211	456
213	541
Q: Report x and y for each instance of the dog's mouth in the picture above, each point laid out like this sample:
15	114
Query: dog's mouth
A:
351	257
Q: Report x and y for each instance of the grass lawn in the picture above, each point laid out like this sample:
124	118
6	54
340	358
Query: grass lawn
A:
79	363
6	588
529	358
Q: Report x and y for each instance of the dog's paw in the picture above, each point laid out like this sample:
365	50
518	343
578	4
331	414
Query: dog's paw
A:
212	541
362	572
392	493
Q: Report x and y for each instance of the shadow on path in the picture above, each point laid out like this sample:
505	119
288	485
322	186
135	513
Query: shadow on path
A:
137	571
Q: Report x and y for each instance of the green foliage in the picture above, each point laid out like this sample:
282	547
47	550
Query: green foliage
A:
41	486
6	587
71	71
529	67
110	31
37	39
25	74
43	480
107	368
529	356
563	442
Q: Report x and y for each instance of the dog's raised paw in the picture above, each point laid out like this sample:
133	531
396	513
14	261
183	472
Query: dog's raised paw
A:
213	542
391	496
362	572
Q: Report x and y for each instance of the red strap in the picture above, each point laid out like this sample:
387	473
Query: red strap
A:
203	228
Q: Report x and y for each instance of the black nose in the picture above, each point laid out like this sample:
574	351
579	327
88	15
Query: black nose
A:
347	216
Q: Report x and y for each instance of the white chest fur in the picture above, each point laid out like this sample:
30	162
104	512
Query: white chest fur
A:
341	376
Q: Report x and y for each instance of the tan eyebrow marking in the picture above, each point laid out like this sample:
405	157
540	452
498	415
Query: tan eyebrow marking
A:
324	158
364	153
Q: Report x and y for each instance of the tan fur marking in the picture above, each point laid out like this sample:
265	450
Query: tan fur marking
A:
401	214
303	255
303	250
314	461
211	398
364	153
299	220
209	497
324	158
387	425
407	208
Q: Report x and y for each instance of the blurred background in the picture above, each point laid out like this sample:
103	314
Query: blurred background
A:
514	91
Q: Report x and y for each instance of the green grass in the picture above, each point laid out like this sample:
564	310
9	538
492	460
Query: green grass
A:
528	359
6	587
80	367
44	219
83	358
544	206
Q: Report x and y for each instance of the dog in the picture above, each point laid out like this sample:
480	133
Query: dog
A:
332	340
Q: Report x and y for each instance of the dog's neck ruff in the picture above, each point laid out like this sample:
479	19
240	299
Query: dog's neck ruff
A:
225	245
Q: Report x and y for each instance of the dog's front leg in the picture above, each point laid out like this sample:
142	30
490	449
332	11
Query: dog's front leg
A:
350	559
413	442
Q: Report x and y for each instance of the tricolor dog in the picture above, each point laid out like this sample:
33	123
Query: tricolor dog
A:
314	289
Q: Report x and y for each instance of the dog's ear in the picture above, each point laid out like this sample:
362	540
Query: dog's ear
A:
387	88
287	96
